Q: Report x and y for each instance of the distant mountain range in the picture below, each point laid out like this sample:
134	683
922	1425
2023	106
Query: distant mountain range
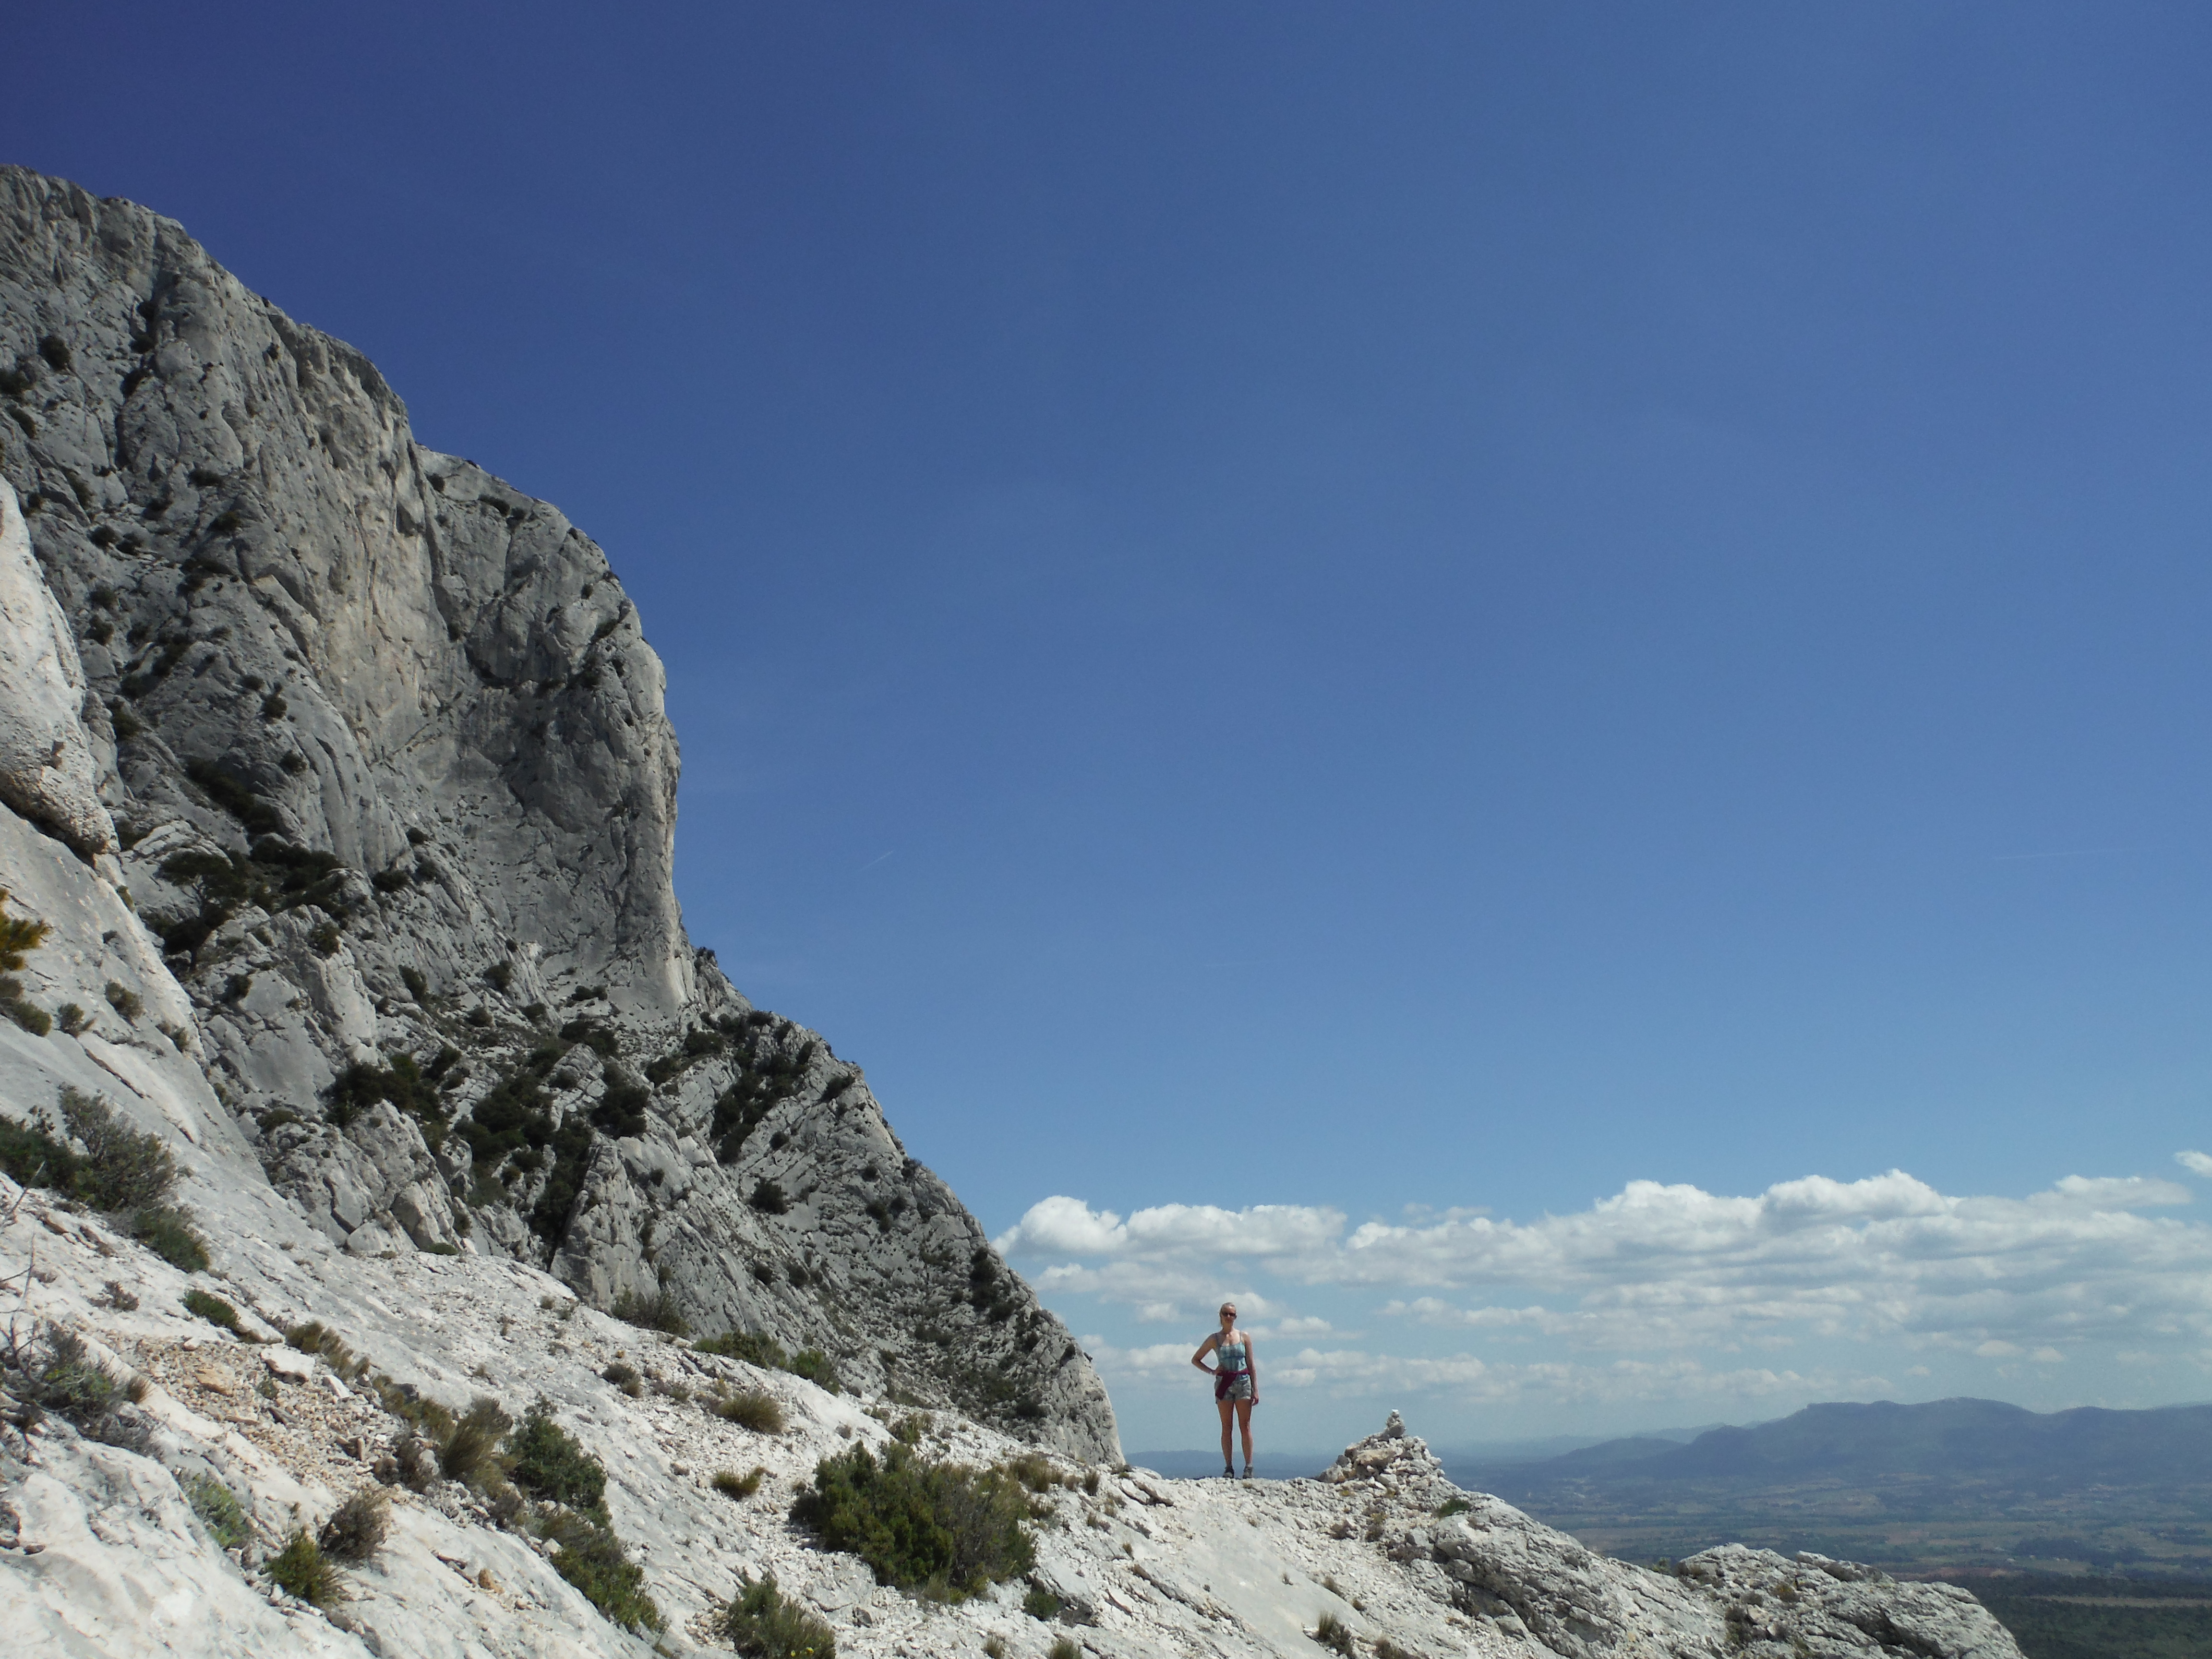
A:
1985	1439
1952	1482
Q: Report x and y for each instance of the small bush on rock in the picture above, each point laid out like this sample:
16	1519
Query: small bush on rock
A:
587	1553
656	1312
356	1530
732	1484
1452	1506
1040	1604
470	1453
213	1309
761	1623
301	1569
219	1511
169	1233
550	1465
1064	1646
624	1378
937	1529
1333	1632
1034	1470
815	1366
753	1409
314	1337
123	1168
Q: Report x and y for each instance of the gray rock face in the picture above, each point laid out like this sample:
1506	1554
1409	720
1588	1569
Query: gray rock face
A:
381	748
47	773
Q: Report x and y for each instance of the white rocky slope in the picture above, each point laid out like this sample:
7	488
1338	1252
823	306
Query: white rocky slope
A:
376	746
101	1554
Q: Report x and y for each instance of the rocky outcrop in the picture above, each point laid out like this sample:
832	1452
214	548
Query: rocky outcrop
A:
380	747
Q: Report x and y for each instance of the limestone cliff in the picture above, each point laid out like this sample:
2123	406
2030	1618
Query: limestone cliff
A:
375	747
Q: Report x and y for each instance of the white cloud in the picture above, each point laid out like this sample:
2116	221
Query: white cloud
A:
2195	1162
1672	1266
1351	1373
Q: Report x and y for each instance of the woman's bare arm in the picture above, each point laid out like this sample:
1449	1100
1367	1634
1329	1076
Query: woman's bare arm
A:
1252	1366
1204	1349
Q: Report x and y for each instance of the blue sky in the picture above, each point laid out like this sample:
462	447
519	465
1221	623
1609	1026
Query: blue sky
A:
1342	608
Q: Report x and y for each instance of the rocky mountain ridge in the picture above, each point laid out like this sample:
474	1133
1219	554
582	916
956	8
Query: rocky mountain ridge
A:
376	748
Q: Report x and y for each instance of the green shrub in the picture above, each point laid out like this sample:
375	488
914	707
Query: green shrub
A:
656	1312
751	1409
732	1485
19	937
35	1020
1452	1506
356	1530
768	1198
622	1108
213	1309
550	1464
1034	1470
761	1623
751	1346
72	1382
588	1555
1064	1646
471	1452
814	1365
624	1378
219	1511
169	1233
1040	1604
1333	1632
123	1169
360	1085
935	1527
411	1405
314	1337
73	1019
911	1427
302	1570
32	1158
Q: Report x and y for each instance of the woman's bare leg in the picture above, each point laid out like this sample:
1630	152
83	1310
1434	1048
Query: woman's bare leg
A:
1244	1422
1224	1405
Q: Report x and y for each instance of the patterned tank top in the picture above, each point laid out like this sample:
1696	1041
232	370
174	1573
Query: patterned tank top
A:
1230	1357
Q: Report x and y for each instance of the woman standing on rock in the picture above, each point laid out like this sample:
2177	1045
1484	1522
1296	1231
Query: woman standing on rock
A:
1236	1383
